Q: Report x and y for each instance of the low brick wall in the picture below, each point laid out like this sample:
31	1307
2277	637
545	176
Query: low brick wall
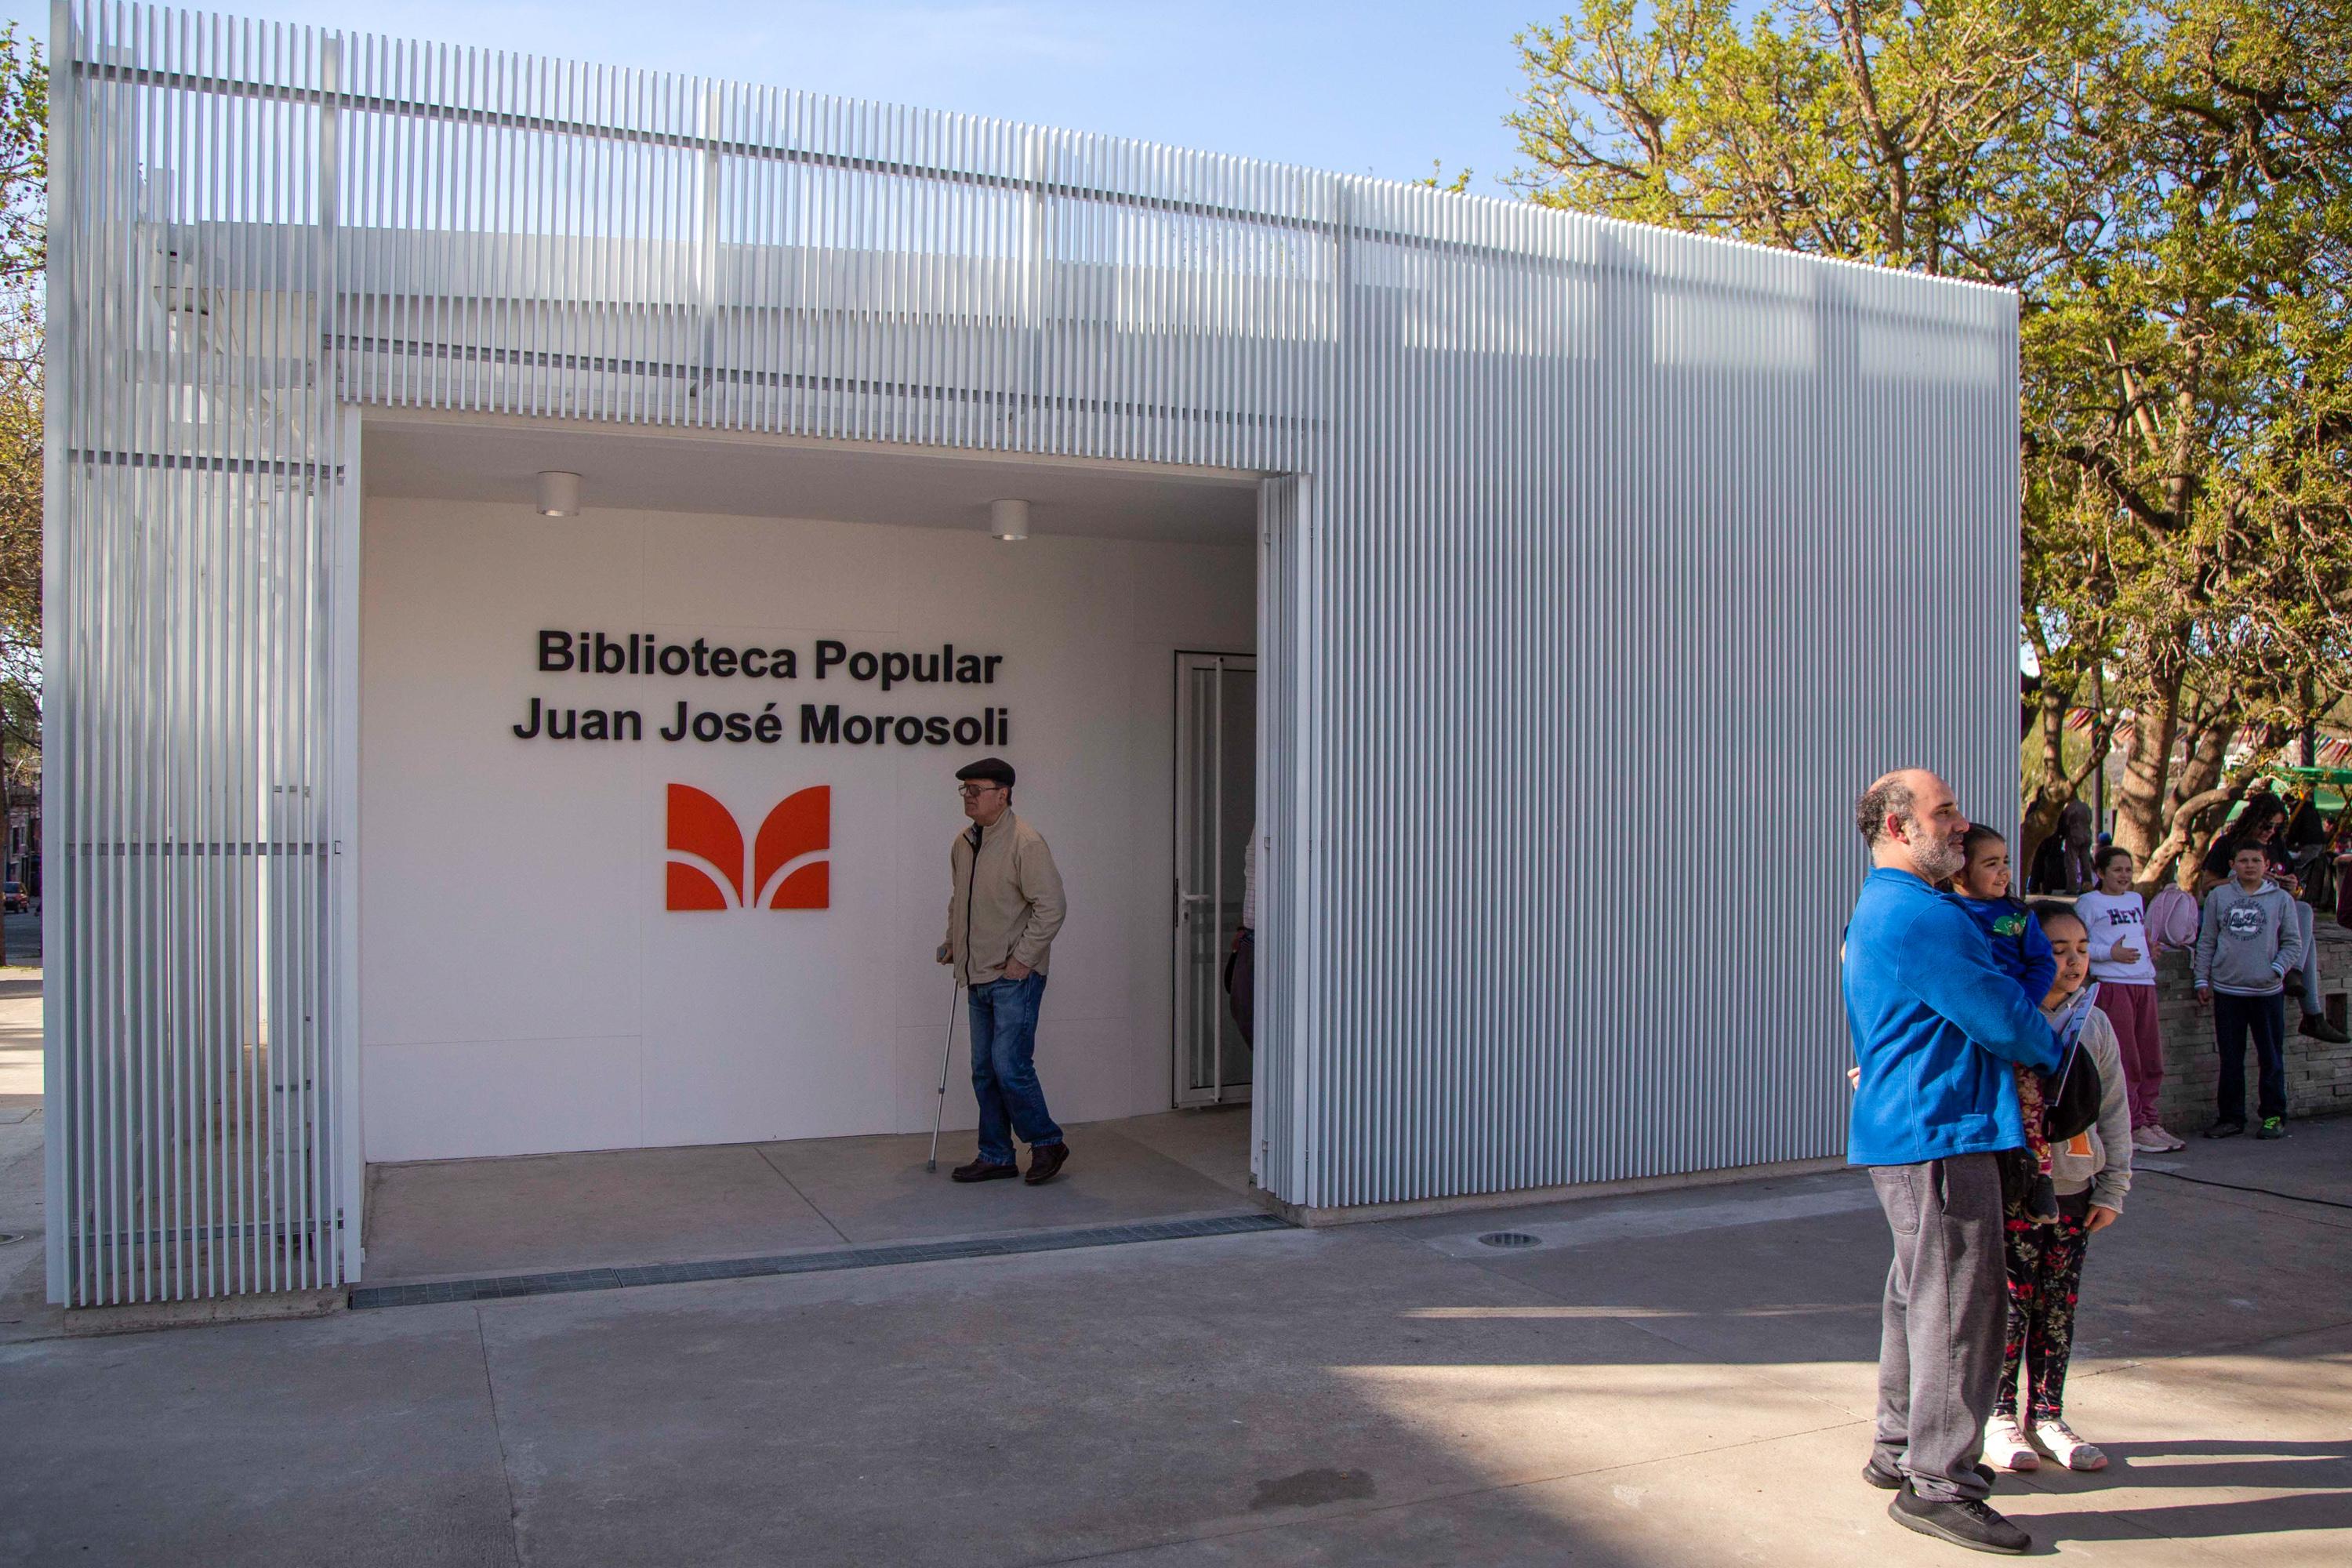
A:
2319	1074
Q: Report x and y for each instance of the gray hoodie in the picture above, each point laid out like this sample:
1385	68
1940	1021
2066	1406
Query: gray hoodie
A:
2247	941
2100	1159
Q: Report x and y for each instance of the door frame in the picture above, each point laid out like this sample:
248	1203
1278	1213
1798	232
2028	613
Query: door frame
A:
1182	1095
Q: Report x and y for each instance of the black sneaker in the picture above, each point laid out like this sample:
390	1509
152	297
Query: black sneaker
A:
984	1171
2225	1129
1887	1478
1976	1525
2317	1026
2272	1127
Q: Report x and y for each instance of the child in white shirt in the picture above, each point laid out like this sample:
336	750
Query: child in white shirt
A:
2125	968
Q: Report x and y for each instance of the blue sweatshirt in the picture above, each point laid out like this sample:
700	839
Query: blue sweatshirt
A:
1937	1029
2017	945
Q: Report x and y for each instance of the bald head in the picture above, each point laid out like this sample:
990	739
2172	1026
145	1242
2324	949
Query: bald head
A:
1911	823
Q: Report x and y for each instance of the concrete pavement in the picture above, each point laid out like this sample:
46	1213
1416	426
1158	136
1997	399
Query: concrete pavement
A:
1665	1380
452	1219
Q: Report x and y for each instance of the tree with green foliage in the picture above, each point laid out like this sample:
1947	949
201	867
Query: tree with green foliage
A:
2169	190
23	254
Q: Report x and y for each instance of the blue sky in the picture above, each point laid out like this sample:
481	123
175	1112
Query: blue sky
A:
1378	87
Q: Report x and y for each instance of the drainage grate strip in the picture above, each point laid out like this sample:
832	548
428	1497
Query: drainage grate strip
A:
503	1287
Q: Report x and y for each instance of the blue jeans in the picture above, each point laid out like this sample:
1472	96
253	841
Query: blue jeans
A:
1004	1067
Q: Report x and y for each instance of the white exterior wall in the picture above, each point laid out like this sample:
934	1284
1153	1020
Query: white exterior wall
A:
1551	496
523	988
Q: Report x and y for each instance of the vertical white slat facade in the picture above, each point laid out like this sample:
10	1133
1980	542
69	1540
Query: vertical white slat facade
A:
195	457
1602	567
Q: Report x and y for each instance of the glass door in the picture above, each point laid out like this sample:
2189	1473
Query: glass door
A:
1216	802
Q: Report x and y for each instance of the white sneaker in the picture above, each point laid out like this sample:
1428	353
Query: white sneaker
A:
2171	1139
2150	1140
2058	1440
2005	1448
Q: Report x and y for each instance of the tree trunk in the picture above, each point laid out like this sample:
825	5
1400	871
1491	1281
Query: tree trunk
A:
2184	842
2209	753
2054	790
2140	802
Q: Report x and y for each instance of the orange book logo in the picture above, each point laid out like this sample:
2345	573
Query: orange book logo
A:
784	868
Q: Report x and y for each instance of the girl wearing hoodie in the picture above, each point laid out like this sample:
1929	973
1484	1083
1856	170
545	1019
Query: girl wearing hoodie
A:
2091	1171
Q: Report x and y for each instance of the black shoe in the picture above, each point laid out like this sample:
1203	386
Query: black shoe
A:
2317	1026
1888	1479
1045	1159
2272	1127
984	1171
2225	1129
1978	1526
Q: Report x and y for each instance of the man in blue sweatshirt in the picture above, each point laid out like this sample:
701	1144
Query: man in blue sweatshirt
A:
1937	1032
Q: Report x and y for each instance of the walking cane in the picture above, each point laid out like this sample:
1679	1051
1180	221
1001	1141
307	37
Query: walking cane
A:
947	1052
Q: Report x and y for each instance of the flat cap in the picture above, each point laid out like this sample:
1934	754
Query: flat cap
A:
995	770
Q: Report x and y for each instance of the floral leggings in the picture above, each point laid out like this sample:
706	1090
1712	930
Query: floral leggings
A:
2046	1273
2028	1109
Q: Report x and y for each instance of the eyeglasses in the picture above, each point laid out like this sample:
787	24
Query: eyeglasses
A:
974	791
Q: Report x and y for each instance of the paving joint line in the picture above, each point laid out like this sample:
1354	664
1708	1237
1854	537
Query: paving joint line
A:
1453	1495
795	1187
1491	1267
509	1287
498	1434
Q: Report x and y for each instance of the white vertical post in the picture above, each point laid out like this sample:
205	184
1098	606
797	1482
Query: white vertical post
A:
349	1143
60	820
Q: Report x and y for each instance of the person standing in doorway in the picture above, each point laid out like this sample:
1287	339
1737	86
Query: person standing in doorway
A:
2249	940
1241	968
1004	906
2123	962
1938	1031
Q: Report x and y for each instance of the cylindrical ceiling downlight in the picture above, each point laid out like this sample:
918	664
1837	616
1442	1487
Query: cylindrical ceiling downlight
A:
559	495
1009	519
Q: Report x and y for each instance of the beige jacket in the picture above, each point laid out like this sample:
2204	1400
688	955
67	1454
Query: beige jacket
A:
1005	901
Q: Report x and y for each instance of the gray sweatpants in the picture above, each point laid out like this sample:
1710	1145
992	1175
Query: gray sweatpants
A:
1940	1330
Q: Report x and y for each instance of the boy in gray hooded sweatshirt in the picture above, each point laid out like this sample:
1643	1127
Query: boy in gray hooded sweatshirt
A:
2247	941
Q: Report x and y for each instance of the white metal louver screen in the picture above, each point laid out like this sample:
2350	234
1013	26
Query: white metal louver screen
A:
1603	566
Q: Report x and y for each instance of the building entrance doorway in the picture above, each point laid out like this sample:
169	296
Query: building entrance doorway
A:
1216	806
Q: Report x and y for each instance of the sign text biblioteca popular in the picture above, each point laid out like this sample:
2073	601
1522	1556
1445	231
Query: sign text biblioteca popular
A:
641	654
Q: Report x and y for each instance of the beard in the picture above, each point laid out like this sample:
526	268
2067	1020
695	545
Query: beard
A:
1937	858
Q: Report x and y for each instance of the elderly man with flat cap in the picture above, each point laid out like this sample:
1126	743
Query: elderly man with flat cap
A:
1004	905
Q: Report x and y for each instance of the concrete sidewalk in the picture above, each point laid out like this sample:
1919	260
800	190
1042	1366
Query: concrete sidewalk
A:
452	1219
1675	1379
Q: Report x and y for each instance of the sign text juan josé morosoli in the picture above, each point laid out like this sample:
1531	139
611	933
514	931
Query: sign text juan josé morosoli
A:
642	654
